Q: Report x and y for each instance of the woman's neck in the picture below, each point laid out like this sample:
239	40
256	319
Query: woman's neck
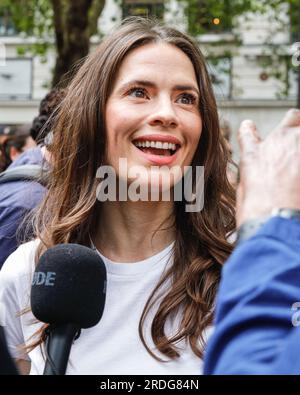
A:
128	231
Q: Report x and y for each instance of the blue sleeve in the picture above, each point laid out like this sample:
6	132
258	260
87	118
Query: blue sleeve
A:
260	285
10	220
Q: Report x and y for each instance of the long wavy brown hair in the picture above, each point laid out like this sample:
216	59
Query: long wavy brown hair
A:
70	210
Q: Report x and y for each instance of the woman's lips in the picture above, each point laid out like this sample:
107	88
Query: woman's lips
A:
157	151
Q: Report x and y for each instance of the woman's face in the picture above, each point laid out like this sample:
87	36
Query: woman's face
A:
152	115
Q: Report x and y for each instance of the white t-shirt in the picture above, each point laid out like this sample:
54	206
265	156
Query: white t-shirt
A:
113	346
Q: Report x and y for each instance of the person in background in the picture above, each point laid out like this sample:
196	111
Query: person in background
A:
257	314
18	198
226	132
4	133
18	141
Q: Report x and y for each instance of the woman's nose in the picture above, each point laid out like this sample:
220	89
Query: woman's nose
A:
164	114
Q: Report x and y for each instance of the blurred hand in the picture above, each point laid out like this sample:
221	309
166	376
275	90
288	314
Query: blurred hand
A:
269	169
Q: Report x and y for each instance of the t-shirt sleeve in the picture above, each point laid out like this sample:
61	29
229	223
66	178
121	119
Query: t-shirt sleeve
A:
13	301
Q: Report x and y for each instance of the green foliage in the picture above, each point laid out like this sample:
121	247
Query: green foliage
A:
47	22
202	14
274	60
35	18
31	17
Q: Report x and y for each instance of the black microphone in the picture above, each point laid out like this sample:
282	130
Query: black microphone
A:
7	367
68	292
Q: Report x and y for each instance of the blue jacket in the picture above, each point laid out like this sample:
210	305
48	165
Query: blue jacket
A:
17	198
257	318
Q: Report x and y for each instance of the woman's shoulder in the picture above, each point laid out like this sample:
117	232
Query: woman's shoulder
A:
21	261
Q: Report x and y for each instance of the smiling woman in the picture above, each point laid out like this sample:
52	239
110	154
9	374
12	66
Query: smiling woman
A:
145	96
161	102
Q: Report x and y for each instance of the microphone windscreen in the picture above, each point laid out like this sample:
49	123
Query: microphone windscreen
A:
69	286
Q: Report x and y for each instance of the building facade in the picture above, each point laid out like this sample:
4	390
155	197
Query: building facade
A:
252	78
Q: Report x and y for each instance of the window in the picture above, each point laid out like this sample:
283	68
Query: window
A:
16	79
220	73
7	27
143	8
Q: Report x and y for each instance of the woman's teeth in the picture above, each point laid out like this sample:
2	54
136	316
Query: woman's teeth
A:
156	147
155	144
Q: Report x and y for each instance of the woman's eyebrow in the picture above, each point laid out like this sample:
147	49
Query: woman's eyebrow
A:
129	84
151	84
186	88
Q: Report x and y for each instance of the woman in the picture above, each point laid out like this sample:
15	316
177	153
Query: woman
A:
144	86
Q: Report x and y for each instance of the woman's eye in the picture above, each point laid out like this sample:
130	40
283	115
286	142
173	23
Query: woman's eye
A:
187	98
137	92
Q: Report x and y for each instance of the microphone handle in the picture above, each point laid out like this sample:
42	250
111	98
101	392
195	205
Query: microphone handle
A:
58	345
